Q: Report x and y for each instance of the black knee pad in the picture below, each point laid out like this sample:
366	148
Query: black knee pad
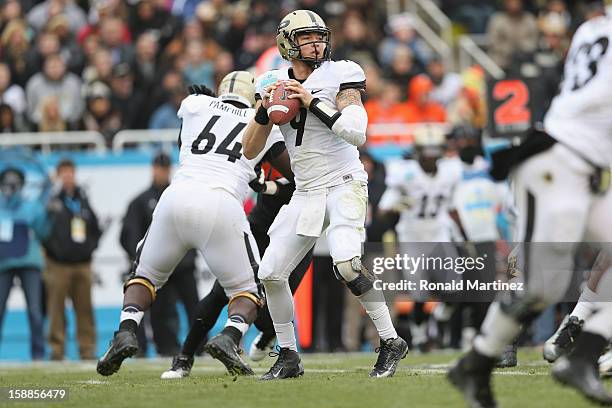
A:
359	286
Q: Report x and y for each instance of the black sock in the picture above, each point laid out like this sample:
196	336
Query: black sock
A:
475	361
195	337
128	325
589	347
233	333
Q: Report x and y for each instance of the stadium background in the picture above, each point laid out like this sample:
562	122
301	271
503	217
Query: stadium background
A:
127	64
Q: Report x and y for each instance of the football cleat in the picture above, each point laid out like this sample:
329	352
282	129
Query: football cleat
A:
287	365
123	345
605	364
583	376
261	346
508	358
472	376
222	348
181	367
562	342
390	353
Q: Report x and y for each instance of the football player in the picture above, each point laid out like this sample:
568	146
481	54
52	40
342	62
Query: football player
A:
562	178
419	191
331	185
275	192
202	209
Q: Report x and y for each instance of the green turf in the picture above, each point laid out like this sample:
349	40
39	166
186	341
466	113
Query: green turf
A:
331	380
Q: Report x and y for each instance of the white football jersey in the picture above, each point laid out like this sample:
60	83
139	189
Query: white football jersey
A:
211	148
320	158
580	116
428	197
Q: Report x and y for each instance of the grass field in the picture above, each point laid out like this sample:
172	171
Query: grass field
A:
331	380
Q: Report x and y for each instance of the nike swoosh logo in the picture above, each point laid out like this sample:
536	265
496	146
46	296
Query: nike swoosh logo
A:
316	91
277	373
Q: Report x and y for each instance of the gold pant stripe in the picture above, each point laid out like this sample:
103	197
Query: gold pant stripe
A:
145	283
247	295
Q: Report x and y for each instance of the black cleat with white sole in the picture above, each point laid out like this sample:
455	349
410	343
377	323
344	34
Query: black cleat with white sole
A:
222	348
181	367
509	357
390	353
123	345
584	377
287	365
472	376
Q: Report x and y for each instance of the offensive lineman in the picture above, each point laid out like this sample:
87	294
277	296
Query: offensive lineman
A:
331	185
562	184
202	209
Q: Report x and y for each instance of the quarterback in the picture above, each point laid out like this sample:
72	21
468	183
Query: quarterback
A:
331	185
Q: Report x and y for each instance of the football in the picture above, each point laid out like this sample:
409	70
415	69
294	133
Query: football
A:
281	109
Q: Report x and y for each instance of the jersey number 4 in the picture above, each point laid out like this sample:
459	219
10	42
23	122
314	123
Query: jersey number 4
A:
232	154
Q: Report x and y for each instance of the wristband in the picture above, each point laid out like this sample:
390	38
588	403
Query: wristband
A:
261	116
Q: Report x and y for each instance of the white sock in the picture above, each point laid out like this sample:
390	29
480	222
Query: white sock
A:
586	304
131	313
280	304
285	334
238	322
382	320
374	303
497	331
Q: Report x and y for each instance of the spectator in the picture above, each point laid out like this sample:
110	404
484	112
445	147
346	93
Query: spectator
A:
375	82
255	43
130	102
199	70
55	81
182	284
232	37
7	119
471	14
69	48
420	107
14	45
51	119
45	11
357	45
74	236
402	69
386	109
145	62
47	43
100	114
147	15
111	37
469	108
511	30
11	94
171	79
401	27
24	224
224	64
9	11
447	85
100	66
165	116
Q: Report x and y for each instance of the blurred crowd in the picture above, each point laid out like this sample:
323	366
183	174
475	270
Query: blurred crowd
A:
108	65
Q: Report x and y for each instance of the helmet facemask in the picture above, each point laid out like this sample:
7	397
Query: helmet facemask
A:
295	52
